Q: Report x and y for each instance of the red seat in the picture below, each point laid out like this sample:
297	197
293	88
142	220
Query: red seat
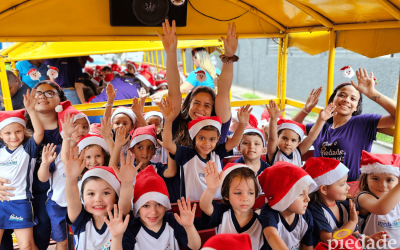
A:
206	234
175	208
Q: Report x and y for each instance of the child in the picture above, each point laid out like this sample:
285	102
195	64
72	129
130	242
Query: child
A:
153	227
18	153
239	191
328	205
285	219
379	199
96	151
99	190
285	138
205	132
156	118
252	147
234	124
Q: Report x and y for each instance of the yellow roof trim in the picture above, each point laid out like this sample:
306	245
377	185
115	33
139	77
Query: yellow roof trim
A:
392	9
323	20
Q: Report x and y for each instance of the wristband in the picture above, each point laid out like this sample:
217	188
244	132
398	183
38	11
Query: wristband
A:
108	105
69	138
228	60
305	111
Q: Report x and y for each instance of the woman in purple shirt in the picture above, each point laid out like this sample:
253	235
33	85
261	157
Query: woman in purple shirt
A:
348	133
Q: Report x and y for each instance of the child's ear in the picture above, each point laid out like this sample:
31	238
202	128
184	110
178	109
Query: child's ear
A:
323	189
264	150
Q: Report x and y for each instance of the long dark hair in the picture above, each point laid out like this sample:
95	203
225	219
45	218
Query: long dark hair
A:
181	135
359	105
60	94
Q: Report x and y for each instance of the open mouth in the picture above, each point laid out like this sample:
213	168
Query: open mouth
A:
198	114
99	207
152	219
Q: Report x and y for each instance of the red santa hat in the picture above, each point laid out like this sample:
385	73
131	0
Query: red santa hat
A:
126	111
146	78
228	242
161	83
89	70
265	117
105	173
144	133
109	77
8	117
153	113
252	119
115	67
250	129
348	243
380	163
325	171
133	65
65	108
299	128
149	186
162	73
232	166
144	66
283	183
92	139
196	125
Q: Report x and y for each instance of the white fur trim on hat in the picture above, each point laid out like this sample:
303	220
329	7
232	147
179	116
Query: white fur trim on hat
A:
124	111
330	177
144	80
143	137
198	126
93	140
236	166
378	168
253	130
103	174
294	192
234	115
80	116
293	127
153	113
151	196
10	120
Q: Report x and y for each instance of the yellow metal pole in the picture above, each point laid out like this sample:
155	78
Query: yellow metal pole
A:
14	68
184	61
396	140
152	58
157	60
279	75
284	70
331	64
144	57
162	60
148	57
4	87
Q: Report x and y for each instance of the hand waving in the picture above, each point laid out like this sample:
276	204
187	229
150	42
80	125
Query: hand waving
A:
30	100
127	172
157	97
111	93
213	178
142	93
312	99
120	139
186	213
366	84
327	112
74	163
167	109
49	154
244	114
105	129
231	40
116	225
273	110
136	107
169	39
68	125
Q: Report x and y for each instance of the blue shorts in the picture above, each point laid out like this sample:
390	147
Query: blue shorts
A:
16	214
57	218
72	96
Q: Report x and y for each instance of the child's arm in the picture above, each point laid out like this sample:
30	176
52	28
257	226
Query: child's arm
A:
323	116
243	116
120	141
168	111
142	96
111	93
125	174
311	102
73	168
214	181
29	103
137	110
171	170
380	206
117	227
68	129
105	130
274	113
274	240
48	156
185	219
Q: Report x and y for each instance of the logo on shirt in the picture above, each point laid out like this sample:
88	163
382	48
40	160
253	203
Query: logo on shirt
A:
10	162
388	224
295	247
106	246
333	151
168	247
202	175
16	218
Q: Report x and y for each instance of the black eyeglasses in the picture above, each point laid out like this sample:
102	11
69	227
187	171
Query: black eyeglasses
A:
47	94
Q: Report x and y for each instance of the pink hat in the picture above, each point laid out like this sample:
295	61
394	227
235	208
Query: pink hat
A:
232	166
144	133
153	113
105	173
325	171
348	243
228	242
283	183
126	111
92	139
147	78
149	186
8	117
299	128
380	163
250	129
196	125
64	108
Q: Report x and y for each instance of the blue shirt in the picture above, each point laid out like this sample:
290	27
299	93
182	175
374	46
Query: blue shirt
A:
263	166
70	72
208	82
24	66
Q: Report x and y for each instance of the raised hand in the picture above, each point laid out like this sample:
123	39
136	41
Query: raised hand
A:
111	93
115	224
136	107
120	139
142	93
273	109
366	84
327	112
169	39
312	99
127	171
231	40
244	114
157	97
68	125
30	100
186	213
105	128
49	154
213	178
74	163
353	211
167	109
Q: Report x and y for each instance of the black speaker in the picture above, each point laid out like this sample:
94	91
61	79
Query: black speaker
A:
142	13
